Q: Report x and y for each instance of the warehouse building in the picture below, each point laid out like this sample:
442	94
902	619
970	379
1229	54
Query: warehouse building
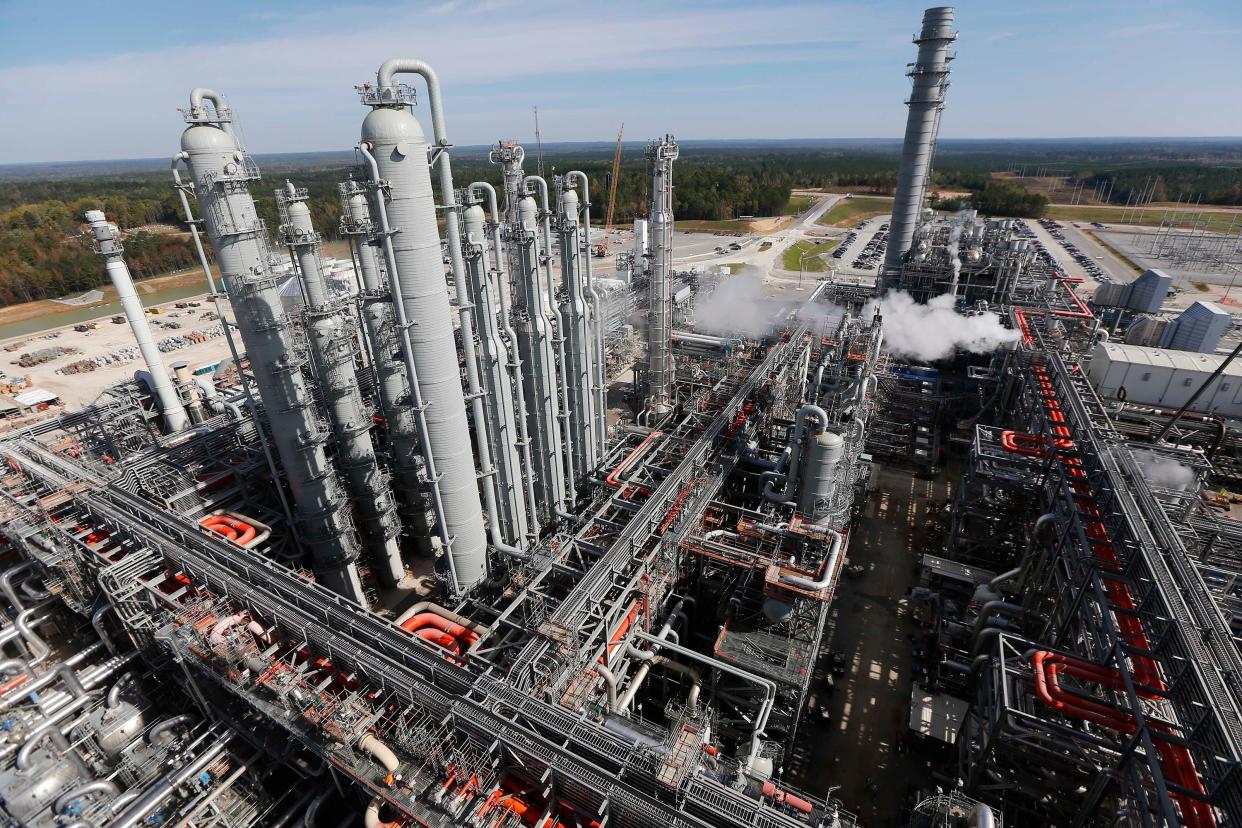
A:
1165	378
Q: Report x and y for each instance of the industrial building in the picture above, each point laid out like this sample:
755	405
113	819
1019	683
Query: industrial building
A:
402	563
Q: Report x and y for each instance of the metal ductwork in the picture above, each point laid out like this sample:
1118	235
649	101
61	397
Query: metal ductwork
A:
930	74
393	143
108	245
222	173
331	331
660	157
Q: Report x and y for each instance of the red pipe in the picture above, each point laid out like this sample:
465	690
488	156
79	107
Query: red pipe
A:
624	465
415	623
785	798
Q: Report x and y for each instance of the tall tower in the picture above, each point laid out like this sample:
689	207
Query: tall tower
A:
931	78
660	157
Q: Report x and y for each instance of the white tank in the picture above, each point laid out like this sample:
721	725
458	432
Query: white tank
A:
400	150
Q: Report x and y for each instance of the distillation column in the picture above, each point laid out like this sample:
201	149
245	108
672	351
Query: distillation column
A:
660	157
108	245
396	151
378	318
535	346
931	78
331	330
222	171
580	354
494	359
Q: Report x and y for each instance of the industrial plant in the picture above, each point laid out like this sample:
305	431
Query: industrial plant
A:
484	536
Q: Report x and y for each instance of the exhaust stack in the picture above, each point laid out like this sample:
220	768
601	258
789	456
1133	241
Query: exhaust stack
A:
660	157
108	245
931	78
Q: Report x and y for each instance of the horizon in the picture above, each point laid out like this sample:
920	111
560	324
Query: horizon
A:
712	70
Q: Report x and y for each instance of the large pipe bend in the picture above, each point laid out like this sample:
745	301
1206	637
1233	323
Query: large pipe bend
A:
160	728
826	578
413	66
99	786
6	584
380	752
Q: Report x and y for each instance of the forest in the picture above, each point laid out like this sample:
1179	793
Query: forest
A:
44	254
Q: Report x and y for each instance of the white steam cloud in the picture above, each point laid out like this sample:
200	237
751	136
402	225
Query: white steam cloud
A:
936	331
741	306
1164	471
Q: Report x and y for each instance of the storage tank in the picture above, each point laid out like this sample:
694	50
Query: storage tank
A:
819	475
396	141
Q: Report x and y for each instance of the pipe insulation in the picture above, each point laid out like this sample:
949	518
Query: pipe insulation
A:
108	245
496	383
221	172
396	406
599	375
400	152
930	74
529	318
330	329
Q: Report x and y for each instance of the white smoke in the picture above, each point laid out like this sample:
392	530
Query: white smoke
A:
936	331
955	235
1164	471
741	306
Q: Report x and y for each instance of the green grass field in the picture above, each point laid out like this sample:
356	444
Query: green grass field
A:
1148	216
852	210
814	261
728	226
797	204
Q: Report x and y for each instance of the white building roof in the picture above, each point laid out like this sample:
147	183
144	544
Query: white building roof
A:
33	397
1162	358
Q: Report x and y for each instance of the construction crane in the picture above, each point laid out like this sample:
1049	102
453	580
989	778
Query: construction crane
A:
601	250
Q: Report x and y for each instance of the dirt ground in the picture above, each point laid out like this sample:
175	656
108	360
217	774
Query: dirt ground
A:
863	751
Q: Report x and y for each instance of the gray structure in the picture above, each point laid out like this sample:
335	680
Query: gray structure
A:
396	153
385	348
222	171
1146	294
930	74
660	157
580	329
108	245
1198	328
530	318
331	330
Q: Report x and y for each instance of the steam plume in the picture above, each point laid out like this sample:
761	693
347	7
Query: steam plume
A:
1164	471
936	331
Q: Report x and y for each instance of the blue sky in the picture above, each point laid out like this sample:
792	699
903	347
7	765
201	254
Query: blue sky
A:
89	80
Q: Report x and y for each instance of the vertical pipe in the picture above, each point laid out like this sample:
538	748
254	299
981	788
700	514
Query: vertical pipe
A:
597	320
515	363
547	303
395	401
330	329
577	333
931	78
497	388
108	245
222	171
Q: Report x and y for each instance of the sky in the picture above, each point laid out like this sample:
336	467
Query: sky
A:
103	80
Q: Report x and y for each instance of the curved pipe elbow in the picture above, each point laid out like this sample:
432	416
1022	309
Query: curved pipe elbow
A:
385	77
160	728
381	753
99	786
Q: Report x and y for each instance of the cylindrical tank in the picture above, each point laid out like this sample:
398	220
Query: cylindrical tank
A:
580	342
221	173
109	246
495	378
640	246
819	475
660	157
379	319
330	329
931	77
400	150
